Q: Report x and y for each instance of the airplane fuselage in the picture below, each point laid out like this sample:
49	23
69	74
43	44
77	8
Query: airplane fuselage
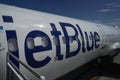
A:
49	44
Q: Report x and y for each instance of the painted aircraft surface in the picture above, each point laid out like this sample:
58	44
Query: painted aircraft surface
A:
41	46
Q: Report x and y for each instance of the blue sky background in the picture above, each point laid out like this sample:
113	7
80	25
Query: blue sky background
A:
101	11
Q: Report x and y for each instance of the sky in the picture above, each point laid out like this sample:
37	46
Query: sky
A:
100	11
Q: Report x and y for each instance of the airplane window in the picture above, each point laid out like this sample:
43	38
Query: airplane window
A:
64	40
55	40
76	38
12	44
30	43
71	39
44	41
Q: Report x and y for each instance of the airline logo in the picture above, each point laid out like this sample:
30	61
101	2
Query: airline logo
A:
88	41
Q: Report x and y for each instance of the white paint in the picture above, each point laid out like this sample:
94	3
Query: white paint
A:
26	20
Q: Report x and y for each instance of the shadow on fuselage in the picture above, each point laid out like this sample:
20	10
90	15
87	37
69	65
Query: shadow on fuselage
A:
112	70
95	68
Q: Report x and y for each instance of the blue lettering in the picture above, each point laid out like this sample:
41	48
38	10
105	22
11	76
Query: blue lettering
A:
82	38
58	46
64	27
97	39
12	35
89	41
88	38
29	52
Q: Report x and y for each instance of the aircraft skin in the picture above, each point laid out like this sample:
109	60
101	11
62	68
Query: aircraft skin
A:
51	45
